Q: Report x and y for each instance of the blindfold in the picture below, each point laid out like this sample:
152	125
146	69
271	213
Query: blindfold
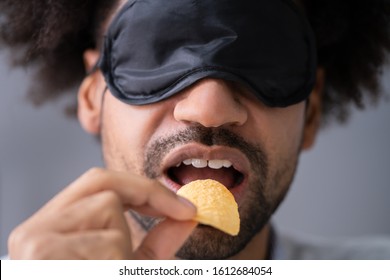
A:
154	49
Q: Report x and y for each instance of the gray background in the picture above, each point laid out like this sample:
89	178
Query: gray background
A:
341	188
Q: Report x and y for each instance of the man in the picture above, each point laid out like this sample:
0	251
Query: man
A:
175	92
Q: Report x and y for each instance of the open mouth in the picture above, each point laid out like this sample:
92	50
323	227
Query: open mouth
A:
196	169
193	162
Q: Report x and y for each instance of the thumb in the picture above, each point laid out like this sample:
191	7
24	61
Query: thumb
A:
164	240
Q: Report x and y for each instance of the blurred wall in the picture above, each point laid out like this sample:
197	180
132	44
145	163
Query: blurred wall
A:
341	188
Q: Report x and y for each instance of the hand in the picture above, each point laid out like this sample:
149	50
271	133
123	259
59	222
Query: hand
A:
86	221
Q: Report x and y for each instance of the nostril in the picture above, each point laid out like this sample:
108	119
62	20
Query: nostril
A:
212	103
212	110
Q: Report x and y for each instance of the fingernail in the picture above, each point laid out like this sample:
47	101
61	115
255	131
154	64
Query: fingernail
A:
187	202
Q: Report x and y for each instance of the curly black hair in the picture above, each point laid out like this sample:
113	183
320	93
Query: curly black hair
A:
353	41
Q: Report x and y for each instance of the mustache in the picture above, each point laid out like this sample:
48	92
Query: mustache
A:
159	148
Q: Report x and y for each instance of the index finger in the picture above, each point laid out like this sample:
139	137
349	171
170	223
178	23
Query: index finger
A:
132	190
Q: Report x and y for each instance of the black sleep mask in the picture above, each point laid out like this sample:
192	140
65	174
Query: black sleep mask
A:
153	49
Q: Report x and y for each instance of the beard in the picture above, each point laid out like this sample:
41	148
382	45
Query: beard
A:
261	198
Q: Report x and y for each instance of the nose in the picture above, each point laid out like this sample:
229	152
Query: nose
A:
211	103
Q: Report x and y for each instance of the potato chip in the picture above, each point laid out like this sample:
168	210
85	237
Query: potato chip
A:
215	204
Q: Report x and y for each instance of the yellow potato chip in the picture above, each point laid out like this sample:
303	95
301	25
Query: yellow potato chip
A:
215	204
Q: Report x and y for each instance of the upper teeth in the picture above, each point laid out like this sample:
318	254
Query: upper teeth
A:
202	163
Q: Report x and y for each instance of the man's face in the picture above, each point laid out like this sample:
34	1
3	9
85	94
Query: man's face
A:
192	135
214	129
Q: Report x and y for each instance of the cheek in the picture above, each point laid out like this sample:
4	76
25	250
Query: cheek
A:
280	131
125	131
288	128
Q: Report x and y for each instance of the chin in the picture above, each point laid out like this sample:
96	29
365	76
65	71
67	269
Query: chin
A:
210	243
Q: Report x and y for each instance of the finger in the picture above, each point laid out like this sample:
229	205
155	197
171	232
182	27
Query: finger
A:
102	210
165	240
91	245
137	232
133	190
102	244
147	210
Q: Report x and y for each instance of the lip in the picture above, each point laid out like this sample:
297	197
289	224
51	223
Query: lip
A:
199	151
